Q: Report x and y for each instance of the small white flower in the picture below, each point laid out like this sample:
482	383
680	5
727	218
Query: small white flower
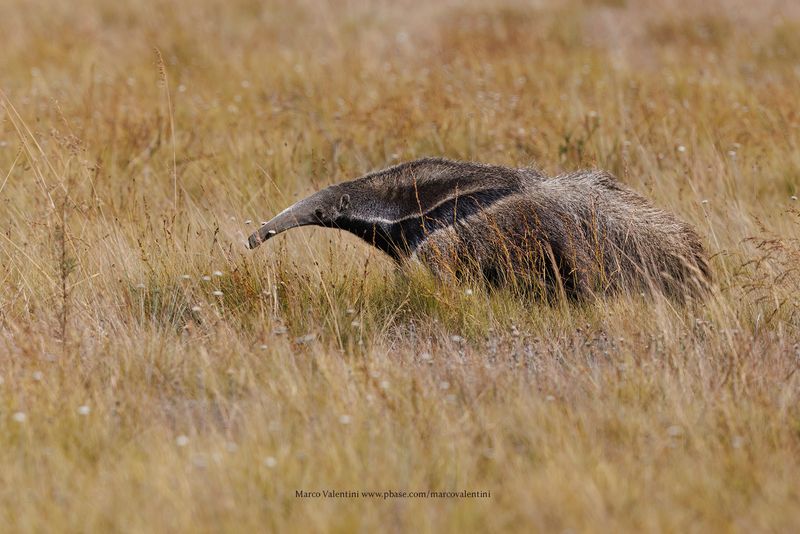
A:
426	356
19	417
704	201
37	375
206	278
793	197
384	384
217	293
248	221
732	153
263	347
681	149
84	410
306	339
444	384
217	273
355	324
270	462
185	277
140	286
550	398
674	431
196	309
181	441
345	419
468	292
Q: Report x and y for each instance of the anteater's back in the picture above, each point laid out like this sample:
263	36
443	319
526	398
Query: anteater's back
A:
584	232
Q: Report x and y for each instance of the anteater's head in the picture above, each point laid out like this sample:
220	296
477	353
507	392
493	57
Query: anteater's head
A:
323	208
396	208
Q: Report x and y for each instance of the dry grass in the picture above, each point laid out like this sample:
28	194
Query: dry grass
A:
133	398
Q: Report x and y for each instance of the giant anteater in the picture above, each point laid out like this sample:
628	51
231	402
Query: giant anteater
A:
574	235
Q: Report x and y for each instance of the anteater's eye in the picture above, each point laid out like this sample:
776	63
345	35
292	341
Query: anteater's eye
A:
318	213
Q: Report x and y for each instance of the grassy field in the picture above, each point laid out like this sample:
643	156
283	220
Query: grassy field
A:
156	376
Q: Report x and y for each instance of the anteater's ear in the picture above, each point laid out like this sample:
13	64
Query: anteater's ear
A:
344	202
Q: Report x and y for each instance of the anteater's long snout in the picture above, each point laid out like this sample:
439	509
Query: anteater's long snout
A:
288	218
253	241
256	238
302	213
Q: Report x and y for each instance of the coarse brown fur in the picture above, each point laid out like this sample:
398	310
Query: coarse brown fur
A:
577	234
